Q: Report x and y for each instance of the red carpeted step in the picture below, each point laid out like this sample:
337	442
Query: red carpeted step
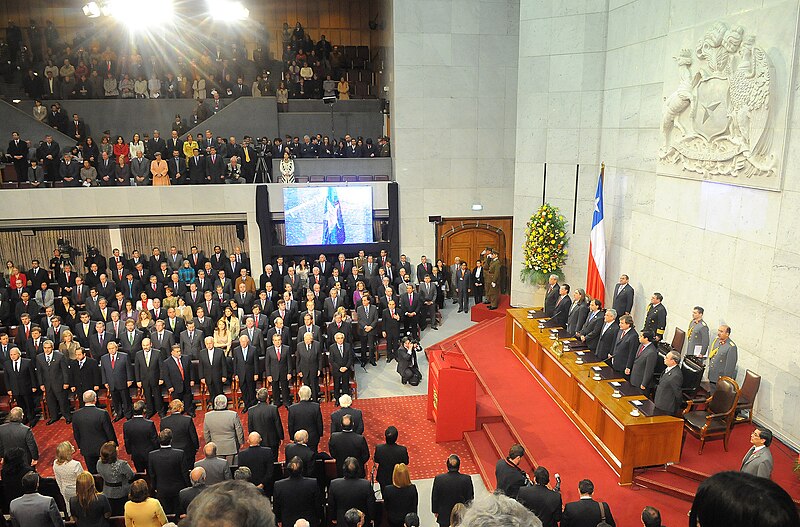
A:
487	411
484	455
668	483
482	312
687	473
502	439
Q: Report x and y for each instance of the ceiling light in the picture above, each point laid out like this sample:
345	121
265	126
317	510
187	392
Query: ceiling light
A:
92	10
477	206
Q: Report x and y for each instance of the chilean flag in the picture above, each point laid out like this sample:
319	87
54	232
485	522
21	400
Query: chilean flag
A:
596	274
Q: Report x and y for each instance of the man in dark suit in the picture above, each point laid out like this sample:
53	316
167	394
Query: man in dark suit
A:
348	443
53	374
18	152
105	174
177	169
149	377
215	173
174	324
278	371
624	346
260	460
84	374
92	427
608	335
156	144
130	340
117	373
387	456
99	340
510	478
265	419
551	295
589	332
255	335
177	372
448	489
14	434
34	345
341	357
131	287
48	155
297	496
299	448
20	377
167	475
410	303
561	309
586	512
197	477
26	305
623	296
356	417
309	363
367	330
540	500
351	491
203	322
213	368
643	364
306	415
191	340
337	325
463	283
669	396
391	330
427	294
140	437
245	369
184	433
197	176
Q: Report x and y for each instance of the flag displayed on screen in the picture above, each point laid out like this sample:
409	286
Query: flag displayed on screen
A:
333	223
596	274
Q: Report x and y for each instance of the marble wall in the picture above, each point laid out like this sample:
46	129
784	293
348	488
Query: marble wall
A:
454	111
733	250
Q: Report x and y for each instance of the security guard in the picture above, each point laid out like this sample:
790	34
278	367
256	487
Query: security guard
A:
656	317
723	356
492	269
697	334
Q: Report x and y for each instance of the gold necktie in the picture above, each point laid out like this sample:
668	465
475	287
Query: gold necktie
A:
247	155
713	349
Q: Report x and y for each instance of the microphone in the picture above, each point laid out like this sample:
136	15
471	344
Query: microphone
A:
557	488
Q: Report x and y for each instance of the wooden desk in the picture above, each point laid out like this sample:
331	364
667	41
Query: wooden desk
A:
625	441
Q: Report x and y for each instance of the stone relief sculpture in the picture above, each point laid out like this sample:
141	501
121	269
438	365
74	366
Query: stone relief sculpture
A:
718	121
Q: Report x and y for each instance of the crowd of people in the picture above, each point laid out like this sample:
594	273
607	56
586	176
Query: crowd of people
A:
181	159
97	66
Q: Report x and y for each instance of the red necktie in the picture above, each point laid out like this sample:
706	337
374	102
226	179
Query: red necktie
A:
180	367
113	361
278	352
640	350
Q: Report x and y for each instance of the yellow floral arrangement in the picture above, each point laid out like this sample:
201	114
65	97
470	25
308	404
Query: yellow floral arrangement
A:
545	247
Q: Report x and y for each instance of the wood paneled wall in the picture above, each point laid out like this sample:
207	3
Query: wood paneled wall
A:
344	22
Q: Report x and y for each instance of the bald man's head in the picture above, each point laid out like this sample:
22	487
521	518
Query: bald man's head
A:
254	439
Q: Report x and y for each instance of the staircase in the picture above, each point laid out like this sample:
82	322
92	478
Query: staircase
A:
490	443
673	480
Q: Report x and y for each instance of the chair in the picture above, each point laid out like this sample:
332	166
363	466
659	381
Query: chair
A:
678	339
716	419
333	178
316	179
747	397
349	178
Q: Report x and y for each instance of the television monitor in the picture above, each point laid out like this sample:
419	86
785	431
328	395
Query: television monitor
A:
328	215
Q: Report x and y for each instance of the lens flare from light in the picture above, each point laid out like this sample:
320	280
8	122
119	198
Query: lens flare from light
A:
142	15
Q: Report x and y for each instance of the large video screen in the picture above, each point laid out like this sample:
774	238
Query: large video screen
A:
328	215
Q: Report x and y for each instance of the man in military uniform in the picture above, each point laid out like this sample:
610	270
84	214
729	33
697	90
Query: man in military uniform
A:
722	356
492	270
697	334
655	319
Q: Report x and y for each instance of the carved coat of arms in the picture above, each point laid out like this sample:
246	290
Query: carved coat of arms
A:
719	119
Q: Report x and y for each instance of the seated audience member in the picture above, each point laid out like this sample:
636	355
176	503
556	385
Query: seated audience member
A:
88	508
729	498
230	504
586	511
142	510
33	509
497	510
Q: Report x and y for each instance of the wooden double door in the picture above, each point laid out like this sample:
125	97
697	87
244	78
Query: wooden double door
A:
468	237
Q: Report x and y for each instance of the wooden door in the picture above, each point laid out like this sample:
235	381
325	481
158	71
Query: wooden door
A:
468	237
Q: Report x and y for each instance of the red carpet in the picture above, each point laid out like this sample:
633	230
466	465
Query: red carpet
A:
550	437
406	413
481	312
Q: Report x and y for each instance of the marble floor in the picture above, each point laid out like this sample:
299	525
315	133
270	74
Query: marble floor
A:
384	381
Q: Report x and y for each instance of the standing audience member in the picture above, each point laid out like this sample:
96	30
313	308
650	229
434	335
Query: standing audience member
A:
223	427
651	517
387	456
351	491
198	479
400	498
14	434
21	381
497	510
510	478
356	417
232	503
348	444
306	415
140	437
167	477
264	418
88	508
33	509
217	469
260	460
53	371
448	489
117	476
66	471
14	467
184	433
91	428
297	497
758	460
142	510
586	512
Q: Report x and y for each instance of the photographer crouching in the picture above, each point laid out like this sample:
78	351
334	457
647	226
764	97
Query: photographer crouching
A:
407	365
